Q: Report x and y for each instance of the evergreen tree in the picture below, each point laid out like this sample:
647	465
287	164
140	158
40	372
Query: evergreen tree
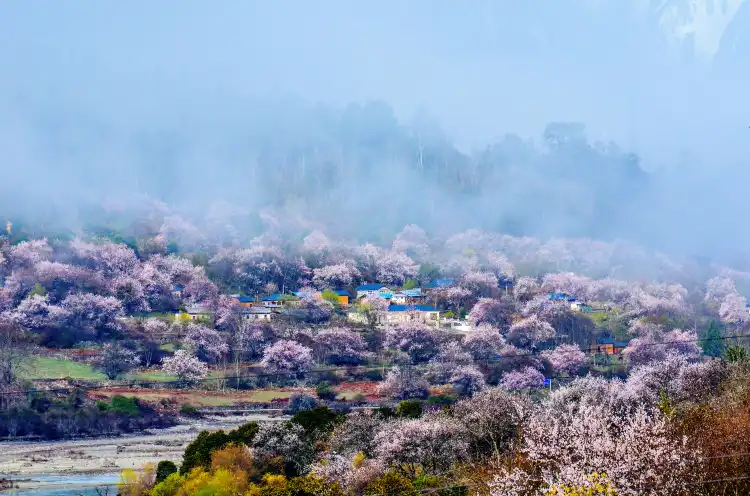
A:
713	345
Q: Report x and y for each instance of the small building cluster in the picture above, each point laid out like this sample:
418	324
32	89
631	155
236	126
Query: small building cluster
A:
606	345
575	304
403	305
260	308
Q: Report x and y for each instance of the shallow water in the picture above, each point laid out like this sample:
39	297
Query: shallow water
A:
68	485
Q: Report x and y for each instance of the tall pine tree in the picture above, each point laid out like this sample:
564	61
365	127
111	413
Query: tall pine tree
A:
713	345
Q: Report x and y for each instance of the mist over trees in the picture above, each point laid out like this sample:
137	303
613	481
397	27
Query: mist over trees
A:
361	173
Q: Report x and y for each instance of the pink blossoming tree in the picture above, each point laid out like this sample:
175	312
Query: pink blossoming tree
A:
529	332
417	340
185	366
340	346
205	343
527	378
566	358
287	357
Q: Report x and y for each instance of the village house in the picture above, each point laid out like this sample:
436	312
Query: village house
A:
177	290
343	297
244	301
374	290
408	297
194	312
606	345
257	314
579	306
561	297
277	300
438	284
456	325
398	314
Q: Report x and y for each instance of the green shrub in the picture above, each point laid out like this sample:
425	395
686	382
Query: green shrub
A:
189	410
317	420
164	469
441	399
120	404
409	409
324	392
373	375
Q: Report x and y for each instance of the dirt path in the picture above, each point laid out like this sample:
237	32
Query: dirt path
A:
22	460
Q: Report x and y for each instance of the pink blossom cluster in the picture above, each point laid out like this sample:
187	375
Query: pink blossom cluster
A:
185	366
287	357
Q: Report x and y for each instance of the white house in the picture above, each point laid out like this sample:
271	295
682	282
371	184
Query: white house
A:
406	313
398	314
374	290
257	314
456	325
194	312
407	296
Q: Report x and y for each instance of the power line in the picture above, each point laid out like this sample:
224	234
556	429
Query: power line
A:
500	359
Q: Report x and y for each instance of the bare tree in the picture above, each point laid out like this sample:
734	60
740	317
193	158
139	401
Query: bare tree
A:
14	351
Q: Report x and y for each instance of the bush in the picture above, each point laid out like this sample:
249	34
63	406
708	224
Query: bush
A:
189	410
164	469
409	409
392	484
318	420
375	375
300	402
441	399
324	391
123	404
198	453
384	412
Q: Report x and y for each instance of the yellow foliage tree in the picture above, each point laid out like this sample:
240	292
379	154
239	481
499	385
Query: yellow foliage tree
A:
134	484
169	486
597	485
220	482
233	457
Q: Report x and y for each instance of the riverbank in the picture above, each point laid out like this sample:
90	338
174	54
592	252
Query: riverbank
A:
37	465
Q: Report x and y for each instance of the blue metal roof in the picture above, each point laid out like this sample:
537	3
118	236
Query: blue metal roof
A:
440	283
244	299
561	297
341	292
274	297
411	308
178	287
609	340
413	293
371	287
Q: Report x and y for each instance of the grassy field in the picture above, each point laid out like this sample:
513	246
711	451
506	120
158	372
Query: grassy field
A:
201	398
151	376
58	368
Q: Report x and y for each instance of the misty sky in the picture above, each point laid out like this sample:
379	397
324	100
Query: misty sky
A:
82	81
483	68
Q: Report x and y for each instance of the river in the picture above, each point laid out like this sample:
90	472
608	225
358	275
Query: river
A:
79	467
66	485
